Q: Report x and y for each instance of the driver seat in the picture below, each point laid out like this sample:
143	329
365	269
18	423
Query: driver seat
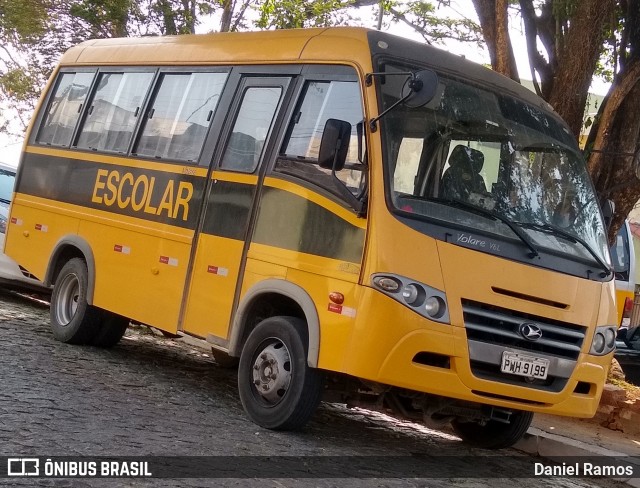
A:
463	177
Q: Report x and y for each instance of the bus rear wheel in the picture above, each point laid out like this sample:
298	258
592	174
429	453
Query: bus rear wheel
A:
494	434
277	388
112	328
73	320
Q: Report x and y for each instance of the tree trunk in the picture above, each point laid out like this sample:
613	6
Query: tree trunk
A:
495	30
574	72
168	17
227	14
602	130
189	8
613	163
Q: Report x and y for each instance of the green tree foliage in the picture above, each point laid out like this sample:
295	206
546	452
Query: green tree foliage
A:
290	14
34	34
427	20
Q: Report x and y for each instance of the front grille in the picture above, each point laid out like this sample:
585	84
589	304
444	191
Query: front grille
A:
492	330
494	325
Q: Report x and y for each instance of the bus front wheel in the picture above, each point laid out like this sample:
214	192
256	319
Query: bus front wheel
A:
277	388
73	320
494	434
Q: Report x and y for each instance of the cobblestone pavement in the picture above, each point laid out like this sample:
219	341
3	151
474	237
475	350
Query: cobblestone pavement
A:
155	396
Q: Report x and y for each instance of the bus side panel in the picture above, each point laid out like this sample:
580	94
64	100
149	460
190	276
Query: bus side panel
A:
337	321
138	219
320	245
34	231
138	275
219	254
301	229
213	286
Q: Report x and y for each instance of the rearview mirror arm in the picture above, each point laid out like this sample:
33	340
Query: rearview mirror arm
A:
414	85
373	125
351	199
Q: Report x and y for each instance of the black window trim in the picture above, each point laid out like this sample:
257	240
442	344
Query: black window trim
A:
46	104
245	82
114	70
151	97
310	73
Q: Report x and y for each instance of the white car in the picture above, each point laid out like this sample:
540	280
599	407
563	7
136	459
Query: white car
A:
11	273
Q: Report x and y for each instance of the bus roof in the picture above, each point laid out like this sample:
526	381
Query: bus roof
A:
347	45
227	47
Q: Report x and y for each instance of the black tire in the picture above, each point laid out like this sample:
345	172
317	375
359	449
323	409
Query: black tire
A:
73	320
494	434
112	328
278	390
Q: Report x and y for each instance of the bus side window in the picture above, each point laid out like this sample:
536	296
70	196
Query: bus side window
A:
176	124
323	100
64	109
250	129
113	111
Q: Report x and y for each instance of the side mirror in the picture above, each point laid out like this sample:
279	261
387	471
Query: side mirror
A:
420	89
334	144
608	209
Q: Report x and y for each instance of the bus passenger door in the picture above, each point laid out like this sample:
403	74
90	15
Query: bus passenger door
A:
229	205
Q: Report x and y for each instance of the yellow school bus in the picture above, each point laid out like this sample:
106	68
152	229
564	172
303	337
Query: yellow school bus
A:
623	258
343	210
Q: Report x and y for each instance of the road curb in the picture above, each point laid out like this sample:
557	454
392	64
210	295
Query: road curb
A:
537	442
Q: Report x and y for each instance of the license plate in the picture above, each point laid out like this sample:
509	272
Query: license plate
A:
521	365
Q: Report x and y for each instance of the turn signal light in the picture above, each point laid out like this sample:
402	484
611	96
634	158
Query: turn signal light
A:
336	297
628	304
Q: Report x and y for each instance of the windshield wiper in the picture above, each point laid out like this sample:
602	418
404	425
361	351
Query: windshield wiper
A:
554	230
4	200
487	213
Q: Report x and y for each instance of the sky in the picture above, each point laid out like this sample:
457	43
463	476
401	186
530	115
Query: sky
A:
10	147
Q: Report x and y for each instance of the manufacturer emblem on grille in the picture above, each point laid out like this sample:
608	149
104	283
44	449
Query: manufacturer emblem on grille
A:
530	331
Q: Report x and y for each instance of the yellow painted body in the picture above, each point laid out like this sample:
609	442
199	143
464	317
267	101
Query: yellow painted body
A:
197	290
622	293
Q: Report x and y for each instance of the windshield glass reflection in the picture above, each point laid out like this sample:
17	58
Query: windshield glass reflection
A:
497	153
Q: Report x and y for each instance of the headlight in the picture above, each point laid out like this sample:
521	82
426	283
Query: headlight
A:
423	299
435	307
598	343
610	338
412	294
604	340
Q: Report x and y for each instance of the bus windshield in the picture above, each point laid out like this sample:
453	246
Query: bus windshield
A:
492	163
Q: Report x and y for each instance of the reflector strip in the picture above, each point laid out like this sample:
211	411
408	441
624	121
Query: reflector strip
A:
342	310
122	249
217	271
168	260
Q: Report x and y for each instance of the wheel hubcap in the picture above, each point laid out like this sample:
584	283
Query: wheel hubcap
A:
67	302
272	372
